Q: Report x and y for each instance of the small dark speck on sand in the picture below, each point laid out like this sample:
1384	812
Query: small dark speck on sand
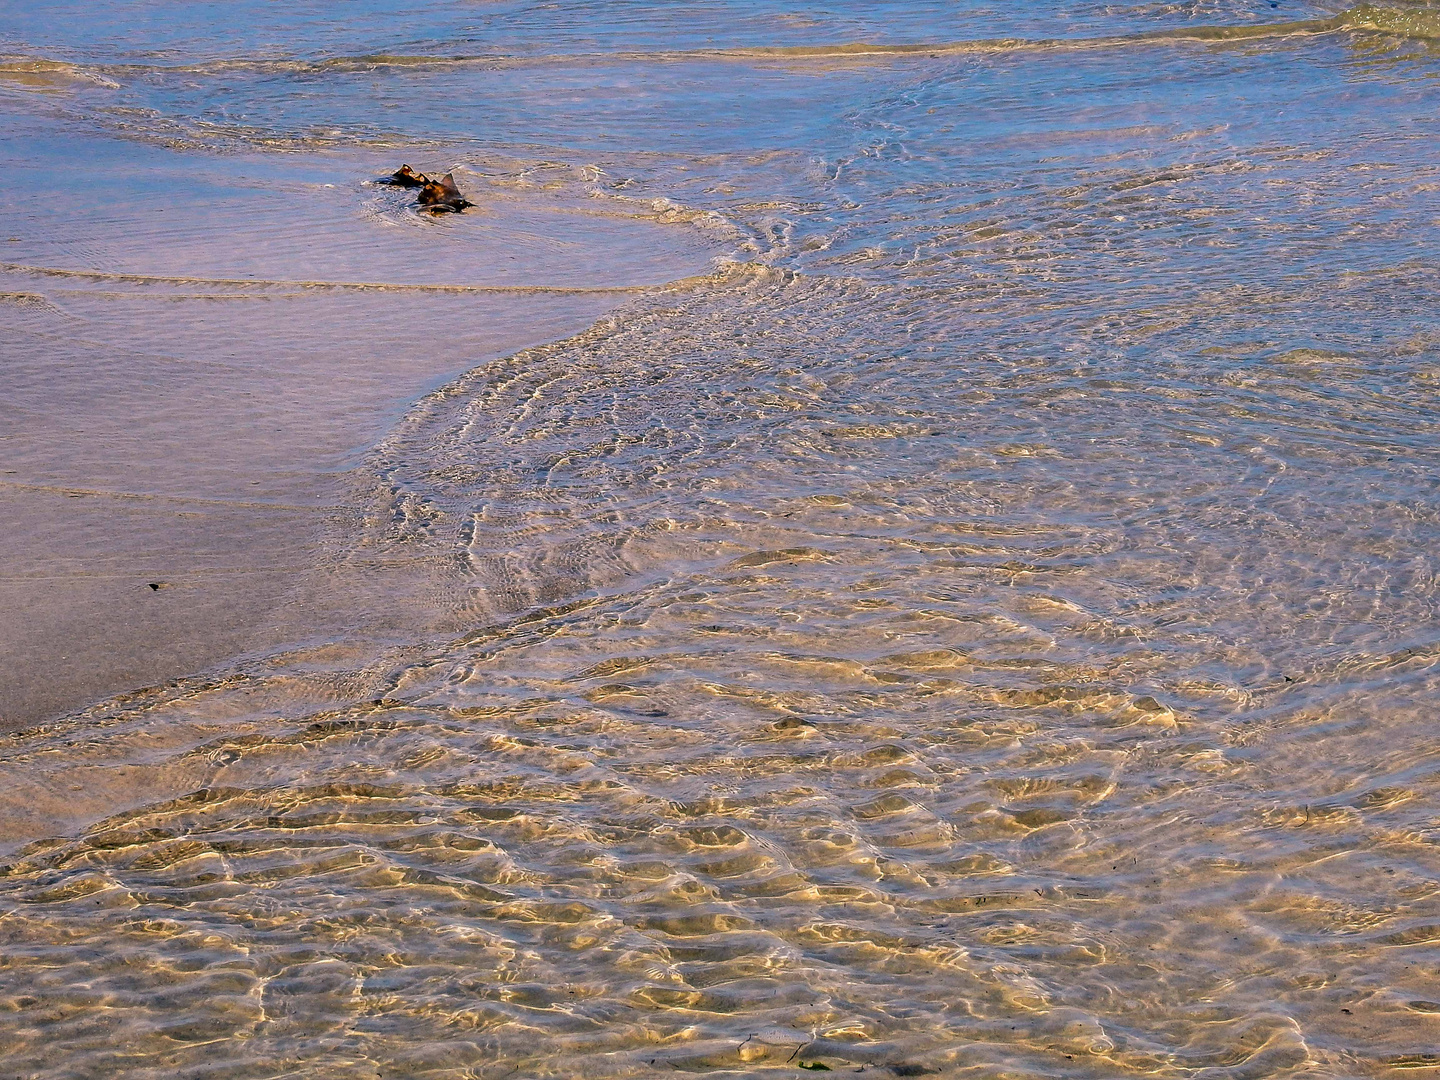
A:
156	586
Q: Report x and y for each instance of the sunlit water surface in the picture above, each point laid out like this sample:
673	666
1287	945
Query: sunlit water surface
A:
984	624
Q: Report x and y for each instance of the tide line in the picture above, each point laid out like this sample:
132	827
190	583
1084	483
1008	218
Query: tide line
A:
359	286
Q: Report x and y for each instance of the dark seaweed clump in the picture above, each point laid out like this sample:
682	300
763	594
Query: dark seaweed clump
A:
437	196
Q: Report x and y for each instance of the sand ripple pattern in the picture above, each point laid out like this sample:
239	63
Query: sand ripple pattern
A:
807	697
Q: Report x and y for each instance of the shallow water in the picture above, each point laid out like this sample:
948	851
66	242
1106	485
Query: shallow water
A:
967	606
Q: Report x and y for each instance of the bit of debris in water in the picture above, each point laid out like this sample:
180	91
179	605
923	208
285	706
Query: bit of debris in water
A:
437	196
406	177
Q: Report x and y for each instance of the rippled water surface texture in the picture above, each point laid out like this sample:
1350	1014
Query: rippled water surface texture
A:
895	538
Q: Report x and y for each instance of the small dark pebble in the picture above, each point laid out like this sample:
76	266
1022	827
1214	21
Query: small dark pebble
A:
156	586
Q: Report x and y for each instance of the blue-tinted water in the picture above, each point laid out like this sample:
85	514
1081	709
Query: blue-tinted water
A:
950	590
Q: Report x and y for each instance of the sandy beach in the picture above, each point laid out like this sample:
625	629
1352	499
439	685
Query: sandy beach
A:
183	410
892	539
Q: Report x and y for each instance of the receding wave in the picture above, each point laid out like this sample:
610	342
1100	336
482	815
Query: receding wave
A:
43	74
1413	22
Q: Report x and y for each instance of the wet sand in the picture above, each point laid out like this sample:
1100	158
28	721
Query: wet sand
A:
987	627
193	432
215	482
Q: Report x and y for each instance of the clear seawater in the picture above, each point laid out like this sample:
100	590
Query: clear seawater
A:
958	597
